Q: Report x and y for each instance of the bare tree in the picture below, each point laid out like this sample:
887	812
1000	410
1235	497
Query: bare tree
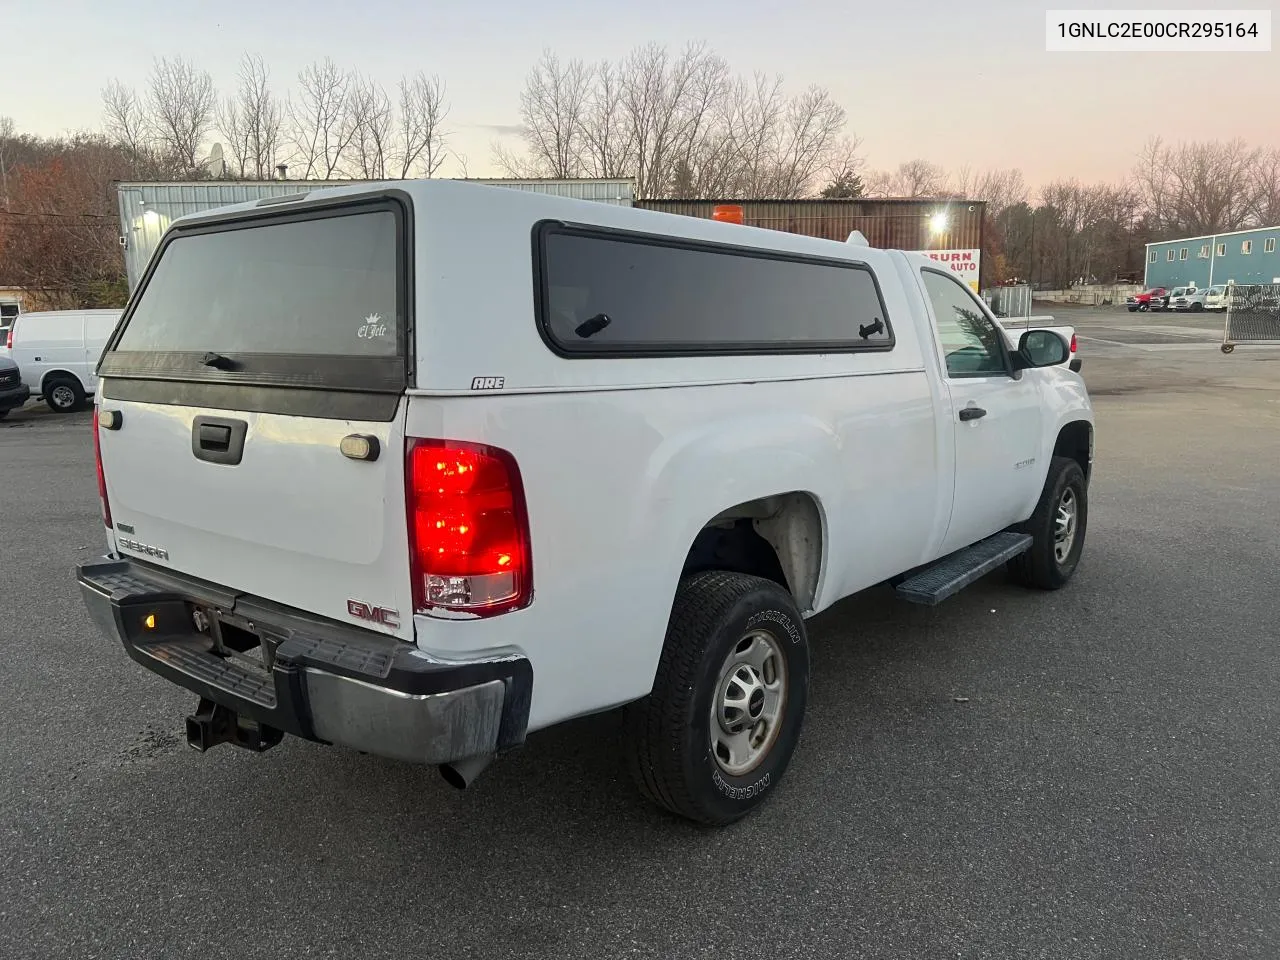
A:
843	170
608	143
250	120
6	137
421	125
915	178
1000	189
813	126
1266	206
125	118
374	124
1200	188
680	125
551	106
181	102
322	126
522	166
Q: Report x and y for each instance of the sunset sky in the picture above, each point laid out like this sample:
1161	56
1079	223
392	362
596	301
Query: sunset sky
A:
954	83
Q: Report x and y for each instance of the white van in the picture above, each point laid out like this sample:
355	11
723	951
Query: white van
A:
57	352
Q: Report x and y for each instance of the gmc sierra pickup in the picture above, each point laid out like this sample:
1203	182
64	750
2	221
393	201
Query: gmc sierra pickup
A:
418	468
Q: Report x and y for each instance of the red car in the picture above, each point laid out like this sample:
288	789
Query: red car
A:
1157	298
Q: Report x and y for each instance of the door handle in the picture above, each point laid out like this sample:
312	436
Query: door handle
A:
972	413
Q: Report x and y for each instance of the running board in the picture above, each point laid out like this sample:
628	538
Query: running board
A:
953	573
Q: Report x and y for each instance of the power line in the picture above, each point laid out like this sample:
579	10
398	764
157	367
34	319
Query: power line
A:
55	216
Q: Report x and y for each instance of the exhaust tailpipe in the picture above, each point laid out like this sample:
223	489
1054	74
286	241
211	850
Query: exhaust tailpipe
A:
462	773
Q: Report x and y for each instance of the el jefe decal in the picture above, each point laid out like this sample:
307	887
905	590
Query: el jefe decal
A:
372	328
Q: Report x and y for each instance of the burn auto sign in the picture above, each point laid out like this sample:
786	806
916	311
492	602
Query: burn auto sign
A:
963	263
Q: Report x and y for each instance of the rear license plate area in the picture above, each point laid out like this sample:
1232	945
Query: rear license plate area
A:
235	638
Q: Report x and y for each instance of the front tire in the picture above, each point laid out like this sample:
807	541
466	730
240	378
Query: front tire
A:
64	395
718	730
1144	307
1057	529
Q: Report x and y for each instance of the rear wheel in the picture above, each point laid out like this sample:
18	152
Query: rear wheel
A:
63	395
1057	529
718	730
1197	307
1132	309
1144	307
4	413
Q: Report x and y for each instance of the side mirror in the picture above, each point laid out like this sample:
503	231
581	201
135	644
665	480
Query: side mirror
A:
1041	348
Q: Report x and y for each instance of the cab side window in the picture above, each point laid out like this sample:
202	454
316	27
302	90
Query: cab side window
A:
971	344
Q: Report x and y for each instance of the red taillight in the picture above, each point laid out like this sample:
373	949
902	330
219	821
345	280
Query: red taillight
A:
102	477
468	528
8	340
1073	343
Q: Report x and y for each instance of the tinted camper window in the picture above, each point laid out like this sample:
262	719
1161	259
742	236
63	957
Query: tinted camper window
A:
605	292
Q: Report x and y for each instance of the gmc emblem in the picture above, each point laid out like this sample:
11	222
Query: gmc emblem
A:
380	615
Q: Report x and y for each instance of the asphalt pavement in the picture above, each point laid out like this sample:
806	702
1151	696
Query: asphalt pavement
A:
1087	773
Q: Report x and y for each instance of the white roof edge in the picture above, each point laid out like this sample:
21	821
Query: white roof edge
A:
1213	236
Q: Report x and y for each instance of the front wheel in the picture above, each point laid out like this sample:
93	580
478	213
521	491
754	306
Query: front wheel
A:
1057	529
718	730
1144	307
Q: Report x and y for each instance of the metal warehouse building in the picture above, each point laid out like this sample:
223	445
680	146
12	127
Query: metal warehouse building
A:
1243	256
949	230
907	224
146	209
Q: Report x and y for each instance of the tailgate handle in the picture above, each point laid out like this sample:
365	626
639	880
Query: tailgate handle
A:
218	440
214	436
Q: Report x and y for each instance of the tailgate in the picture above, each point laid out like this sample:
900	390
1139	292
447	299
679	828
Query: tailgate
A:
252	415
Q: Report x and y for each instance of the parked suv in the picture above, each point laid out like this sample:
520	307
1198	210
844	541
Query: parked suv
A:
419	468
13	392
1191	300
1147	299
1177	293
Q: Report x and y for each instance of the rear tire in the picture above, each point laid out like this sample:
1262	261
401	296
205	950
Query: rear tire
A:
5	412
1144	307
718	730
63	394
1197	307
1133	309
1057	529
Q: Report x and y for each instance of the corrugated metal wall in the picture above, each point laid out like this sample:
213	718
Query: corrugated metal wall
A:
891	224
147	209
617	192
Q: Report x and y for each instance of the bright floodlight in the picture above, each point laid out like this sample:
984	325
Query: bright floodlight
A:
938	223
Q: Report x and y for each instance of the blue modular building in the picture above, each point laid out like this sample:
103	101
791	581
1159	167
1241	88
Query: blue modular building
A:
1243	256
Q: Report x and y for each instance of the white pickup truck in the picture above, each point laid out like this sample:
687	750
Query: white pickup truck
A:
420	468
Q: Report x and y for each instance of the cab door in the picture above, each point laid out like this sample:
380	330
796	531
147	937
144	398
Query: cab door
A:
995	416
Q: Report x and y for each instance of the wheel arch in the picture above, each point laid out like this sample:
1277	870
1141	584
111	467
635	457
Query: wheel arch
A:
778	537
60	373
1075	441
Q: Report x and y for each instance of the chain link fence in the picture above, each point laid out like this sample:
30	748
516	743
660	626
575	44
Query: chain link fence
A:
1253	314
